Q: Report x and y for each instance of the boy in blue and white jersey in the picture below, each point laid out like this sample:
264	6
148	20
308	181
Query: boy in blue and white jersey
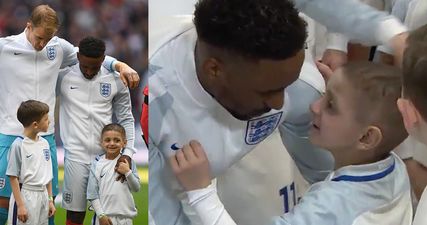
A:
30	168
111	199
89	96
357	120
29	67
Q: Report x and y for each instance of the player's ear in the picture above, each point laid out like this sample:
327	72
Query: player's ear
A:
371	138
28	26
411	116
212	67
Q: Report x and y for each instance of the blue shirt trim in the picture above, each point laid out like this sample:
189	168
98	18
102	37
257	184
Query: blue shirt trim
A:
372	177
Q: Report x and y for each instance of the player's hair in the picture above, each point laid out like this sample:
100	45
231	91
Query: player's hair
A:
256	29
114	127
377	88
44	16
415	70
92	47
31	111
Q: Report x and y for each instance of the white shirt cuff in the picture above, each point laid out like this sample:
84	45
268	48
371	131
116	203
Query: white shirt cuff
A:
337	41
389	28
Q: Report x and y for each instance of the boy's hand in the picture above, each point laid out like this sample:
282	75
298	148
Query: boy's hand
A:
123	167
122	158
52	209
105	220
191	166
22	214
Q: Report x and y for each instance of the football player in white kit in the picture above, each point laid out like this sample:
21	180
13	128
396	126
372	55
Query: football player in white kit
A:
30	168
112	200
176	88
357	120
29	64
89	96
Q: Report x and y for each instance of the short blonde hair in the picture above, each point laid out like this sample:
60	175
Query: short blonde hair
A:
44	15
377	88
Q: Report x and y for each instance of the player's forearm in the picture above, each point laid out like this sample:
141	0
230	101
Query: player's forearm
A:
133	181
49	188
14	183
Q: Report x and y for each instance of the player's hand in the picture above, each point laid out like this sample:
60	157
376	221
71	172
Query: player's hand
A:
398	43
334	58
22	214
191	166
52	209
105	220
324	70
128	75
123	167
123	158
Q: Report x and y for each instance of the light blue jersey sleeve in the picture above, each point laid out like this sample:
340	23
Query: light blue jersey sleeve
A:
314	163
122	109
15	158
352	18
133	179
92	185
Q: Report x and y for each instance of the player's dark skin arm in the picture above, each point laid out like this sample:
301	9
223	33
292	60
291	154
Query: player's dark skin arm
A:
122	158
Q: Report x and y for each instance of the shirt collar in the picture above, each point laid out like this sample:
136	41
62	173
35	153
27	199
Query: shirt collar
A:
366	172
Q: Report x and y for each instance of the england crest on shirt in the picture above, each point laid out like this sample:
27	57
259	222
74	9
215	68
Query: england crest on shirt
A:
258	129
51	52
2	182
105	89
46	154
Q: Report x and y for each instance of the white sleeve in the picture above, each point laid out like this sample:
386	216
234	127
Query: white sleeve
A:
354	19
92	185
209	207
337	41
122	108
15	159
70	53
133	179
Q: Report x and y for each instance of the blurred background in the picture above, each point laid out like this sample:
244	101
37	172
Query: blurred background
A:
123	25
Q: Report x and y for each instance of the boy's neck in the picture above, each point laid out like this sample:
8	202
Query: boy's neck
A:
111	156
355	157
31	133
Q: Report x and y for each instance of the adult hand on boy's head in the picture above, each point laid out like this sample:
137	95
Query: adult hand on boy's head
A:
123	158
398	43
191	166
325	70
334	58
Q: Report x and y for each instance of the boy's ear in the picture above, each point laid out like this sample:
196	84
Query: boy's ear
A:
371	138
411	116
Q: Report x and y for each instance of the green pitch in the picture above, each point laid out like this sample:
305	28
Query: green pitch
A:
141	200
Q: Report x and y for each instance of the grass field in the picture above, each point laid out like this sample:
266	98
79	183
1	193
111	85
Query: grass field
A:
141	200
